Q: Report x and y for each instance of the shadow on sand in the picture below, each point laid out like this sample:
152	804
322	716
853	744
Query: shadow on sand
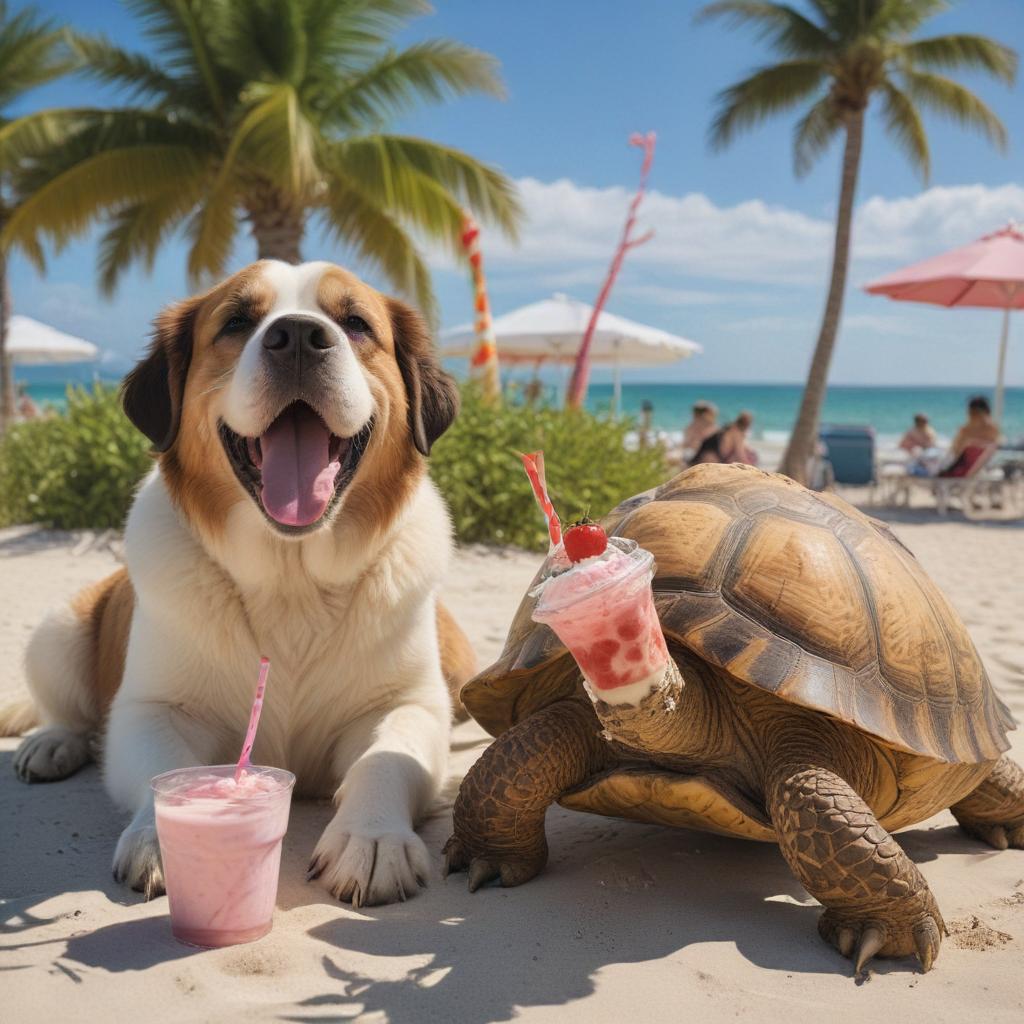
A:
613	893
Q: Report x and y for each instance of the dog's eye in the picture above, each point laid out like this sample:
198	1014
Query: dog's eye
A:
355	325
236	323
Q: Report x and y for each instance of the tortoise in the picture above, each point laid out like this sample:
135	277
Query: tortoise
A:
830	695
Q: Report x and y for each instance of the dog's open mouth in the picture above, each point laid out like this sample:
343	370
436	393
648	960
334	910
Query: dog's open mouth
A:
297	470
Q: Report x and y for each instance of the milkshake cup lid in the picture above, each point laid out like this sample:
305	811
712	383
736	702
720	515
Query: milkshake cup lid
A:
628	562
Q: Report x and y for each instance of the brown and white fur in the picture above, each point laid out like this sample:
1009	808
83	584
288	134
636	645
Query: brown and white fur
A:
158	662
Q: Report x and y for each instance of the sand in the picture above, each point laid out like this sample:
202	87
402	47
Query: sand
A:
628	922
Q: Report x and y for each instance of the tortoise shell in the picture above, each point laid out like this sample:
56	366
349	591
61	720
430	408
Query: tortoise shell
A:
794	592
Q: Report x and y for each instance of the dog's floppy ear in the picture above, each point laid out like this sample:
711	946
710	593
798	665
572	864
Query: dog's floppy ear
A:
152	393
432	393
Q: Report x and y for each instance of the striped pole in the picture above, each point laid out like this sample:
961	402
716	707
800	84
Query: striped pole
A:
580	379
483	365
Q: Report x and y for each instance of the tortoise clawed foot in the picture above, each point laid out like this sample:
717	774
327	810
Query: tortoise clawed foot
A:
863	937
999	837
512	869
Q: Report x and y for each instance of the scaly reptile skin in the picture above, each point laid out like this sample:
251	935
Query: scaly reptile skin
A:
994	812
877	902
499	812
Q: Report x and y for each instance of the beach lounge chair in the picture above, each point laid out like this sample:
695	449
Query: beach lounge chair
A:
979	477
851	452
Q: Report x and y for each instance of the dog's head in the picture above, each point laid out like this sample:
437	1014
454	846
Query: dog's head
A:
293	387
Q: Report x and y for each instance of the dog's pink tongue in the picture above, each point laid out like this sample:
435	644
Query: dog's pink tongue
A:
298	472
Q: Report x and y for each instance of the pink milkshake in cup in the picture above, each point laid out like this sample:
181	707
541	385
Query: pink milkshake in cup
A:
220	841
602	609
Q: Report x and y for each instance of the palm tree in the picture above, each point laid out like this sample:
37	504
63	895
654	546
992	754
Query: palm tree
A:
269	112
32	53
836	60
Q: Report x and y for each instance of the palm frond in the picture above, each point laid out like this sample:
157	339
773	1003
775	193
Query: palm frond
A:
430	71
949	98
899	17
380	241
813	134
276	140
977	53
783	27
136	232
904	124
485	190
141	77
264	40
767	91
183	33
35	135
32	53
90	132
212	232
414	198
68	202
348	33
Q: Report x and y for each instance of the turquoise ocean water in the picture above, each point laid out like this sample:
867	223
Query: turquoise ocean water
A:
887	409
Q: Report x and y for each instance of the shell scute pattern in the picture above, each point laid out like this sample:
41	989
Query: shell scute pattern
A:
792	592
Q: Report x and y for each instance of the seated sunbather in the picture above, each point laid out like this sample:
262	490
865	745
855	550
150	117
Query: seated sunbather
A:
973	439
702	425
728	444
920	437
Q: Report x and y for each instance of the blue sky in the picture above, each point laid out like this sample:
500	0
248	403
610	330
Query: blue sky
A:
740	256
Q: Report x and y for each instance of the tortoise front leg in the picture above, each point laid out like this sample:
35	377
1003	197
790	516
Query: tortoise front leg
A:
877	902
499	812
994	812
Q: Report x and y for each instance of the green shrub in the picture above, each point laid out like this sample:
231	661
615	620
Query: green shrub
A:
476	466
74	471
80	470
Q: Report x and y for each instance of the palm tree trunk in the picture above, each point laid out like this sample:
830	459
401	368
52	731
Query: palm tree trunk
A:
6	370
277	225
802	440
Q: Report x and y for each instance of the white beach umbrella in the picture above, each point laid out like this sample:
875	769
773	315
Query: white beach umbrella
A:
550	332
30	343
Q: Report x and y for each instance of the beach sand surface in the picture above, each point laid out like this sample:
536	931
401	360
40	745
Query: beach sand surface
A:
628	923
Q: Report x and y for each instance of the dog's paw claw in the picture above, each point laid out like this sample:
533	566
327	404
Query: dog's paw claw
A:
366	868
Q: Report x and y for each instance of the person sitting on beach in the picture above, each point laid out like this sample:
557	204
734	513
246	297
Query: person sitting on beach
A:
702	425
728	444
973	439
920	437
646	419
26	407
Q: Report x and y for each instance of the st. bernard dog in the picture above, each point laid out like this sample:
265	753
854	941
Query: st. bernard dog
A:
289	515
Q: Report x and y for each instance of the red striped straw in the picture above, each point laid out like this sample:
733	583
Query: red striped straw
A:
254	718
533	463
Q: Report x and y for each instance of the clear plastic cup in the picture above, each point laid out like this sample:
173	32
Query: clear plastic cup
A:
220	843
604	613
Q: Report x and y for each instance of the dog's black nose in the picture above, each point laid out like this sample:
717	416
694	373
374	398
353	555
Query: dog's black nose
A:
294	334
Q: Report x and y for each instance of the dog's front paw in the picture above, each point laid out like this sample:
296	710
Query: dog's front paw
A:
50	753
366	866
137	860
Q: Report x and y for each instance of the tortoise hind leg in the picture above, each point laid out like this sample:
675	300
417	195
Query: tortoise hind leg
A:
994	812
877	902
499	812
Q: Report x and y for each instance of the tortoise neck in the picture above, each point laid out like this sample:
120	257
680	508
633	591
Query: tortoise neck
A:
680	722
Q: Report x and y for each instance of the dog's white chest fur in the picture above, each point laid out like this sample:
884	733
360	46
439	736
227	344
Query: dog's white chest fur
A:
348	629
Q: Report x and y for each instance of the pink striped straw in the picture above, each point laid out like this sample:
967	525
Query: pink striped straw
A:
254	718
533	463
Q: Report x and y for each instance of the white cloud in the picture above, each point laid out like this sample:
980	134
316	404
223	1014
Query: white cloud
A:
571	231
666	295
769	324
885	323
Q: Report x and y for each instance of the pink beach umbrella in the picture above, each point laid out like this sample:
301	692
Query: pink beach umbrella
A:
987	273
